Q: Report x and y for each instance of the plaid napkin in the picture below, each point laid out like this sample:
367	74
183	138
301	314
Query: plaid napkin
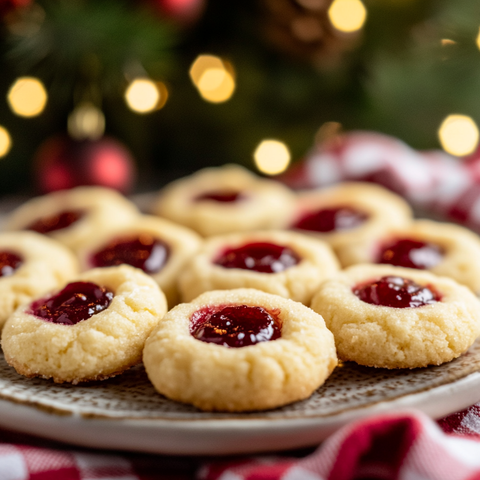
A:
406	445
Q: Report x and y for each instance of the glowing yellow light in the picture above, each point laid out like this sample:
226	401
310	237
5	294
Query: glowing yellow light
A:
478	39
203	63
213	77
272	157
142	95
347	15
5	142
447	41
458	135
86	121
27	97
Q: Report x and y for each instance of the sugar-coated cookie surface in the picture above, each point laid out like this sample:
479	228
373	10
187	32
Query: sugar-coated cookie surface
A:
255	377
43	264
99	347
458	247
225	199
92	209
378	209
390	337
316	262
174	246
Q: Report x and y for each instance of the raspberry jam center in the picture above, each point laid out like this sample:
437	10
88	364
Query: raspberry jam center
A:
9	262
222	196
235	326
331	220
76	302
56	222
261	257
411	254
142	251
397	292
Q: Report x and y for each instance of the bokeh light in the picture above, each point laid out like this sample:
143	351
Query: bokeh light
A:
86	122
272	157
478	39
347	15
5	141
458	135
142	95
27	97
213	77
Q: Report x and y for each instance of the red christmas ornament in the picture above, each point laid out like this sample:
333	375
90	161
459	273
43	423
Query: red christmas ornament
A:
62	163
7	6
181	11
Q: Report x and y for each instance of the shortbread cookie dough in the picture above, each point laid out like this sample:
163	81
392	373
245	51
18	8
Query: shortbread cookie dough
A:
92	329
188	359
226	199
73	216
349	212
430	320
157	246
30	265
442	248
288	264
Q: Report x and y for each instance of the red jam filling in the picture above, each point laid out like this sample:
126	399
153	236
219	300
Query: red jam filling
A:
331	220
396	292
411	254
142	251
76	302
9	262
56	222
234	326
222	196
261	257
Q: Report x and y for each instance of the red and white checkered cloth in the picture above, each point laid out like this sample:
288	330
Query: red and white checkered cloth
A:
403	446
432	181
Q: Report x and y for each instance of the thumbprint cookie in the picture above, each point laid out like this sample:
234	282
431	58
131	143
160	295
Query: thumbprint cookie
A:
288	264
93	328
219	200
72	216
30	265
157	246
394	317
348	212
239	350
442	248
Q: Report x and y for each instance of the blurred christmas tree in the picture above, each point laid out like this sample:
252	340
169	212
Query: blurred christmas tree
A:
270	69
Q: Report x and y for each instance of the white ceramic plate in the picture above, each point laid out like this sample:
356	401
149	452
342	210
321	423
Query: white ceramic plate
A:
126	413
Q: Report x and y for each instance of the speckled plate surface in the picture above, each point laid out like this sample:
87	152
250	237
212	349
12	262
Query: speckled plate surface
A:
125	412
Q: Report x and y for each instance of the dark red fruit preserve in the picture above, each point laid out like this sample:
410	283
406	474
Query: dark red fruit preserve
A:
234	326
411	254
331	219
76	302
222	196
261	257
141	251
9	262
56	222
397	292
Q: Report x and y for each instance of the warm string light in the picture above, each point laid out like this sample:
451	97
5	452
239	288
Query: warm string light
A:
5	141
27	97
144	95
347	15
458	135
86	122
478	39
213	77
272	157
